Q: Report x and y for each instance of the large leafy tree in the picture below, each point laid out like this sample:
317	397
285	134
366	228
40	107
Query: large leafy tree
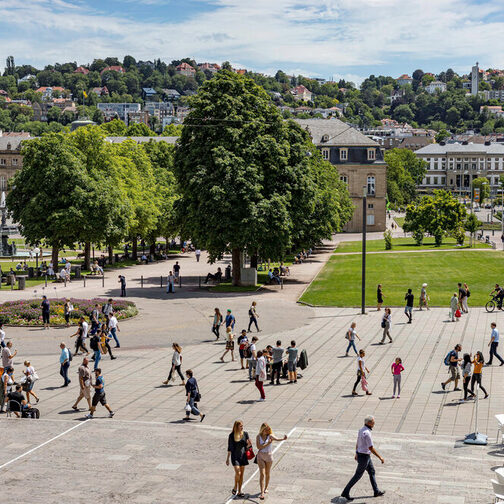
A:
438	215
246	177
483	184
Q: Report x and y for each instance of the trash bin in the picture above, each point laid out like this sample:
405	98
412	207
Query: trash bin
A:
31	272
77	271
21	282
116	258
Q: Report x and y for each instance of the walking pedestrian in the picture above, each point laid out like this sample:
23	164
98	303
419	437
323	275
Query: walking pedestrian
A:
217	322
84	384
31	378
79	342
243	344
105	338
350	336
379	297
276	366
170	284
264	443
176	363
253	315
7	355
2	335
198	254
452	360
493	344
6	386
364	448
46	307
478	362
176	272
465	299
64	364
113	327
95	324
67	310
386	323
397	368
408	309
261	375
99	395
108	309
229	344
454	307
122	281
292	352
466	376
94	344
238	445
193	396
230	320
424	298
361	372
461	296
252	360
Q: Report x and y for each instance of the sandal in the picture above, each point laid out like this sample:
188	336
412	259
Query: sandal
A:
233	491
241	495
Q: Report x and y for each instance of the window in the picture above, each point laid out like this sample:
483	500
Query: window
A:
3	183
343	154
371	186
371	154
370	220
370	205
3	161
474	166
14	162
344	178
443	180
325	154
459	166
427	180
9	146
435	181
325	138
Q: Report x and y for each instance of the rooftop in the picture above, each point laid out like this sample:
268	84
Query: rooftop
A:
143	139
340	133
456	148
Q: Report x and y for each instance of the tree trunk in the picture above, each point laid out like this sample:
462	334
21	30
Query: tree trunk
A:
152	249
236	265
253	261
54	258
87	256
110	254
134	249
167	244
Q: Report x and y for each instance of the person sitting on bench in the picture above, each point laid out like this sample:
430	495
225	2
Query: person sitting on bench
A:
217	277
272	277
17	402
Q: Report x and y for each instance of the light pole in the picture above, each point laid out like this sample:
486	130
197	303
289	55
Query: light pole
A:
37	252
364	226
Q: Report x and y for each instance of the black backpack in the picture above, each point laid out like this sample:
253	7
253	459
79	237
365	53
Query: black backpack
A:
30	413
70	356
94	343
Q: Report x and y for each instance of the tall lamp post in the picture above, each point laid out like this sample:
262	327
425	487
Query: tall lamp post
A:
36	251
364	229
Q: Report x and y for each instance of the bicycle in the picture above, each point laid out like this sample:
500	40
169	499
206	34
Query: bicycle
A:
492	304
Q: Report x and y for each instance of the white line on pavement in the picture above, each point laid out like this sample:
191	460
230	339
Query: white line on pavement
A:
257	470
43	444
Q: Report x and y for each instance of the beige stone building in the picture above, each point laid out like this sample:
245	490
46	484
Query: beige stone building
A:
360	164
11	159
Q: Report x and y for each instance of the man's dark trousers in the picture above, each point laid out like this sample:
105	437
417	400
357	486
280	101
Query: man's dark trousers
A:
276	368
493	351
364	463
64	372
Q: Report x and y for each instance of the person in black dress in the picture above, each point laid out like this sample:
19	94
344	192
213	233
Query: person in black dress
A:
379	297
238	444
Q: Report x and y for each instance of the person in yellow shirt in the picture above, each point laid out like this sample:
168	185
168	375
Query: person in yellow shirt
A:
478	362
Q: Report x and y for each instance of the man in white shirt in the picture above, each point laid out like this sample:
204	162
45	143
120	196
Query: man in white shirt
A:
494	343
113	328
363	451
2	336
85	328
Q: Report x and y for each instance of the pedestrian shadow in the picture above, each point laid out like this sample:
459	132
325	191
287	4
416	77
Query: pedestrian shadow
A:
68	412
247	401
51	388
234	369
386	398
453	403
351	395
440	392
496	453
342	500
240	381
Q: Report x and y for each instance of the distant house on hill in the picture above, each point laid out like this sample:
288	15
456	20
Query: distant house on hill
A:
185	69
301	93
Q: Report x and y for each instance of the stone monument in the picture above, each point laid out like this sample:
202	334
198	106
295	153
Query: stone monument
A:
6	250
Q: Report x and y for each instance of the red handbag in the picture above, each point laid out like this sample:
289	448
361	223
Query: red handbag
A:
458	314
250	453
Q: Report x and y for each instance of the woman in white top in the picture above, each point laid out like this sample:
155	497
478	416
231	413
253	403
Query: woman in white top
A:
386	323
176	363
264	443
261	375
361	372
31	377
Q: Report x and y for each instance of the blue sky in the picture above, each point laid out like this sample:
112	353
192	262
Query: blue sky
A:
325	38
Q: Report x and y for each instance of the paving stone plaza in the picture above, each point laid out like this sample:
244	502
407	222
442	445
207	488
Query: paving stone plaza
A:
147	454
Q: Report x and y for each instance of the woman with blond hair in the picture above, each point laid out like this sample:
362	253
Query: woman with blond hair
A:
264	441
238	445
229	344
31	377
176	363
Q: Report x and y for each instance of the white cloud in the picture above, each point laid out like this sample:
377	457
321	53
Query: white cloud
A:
332	34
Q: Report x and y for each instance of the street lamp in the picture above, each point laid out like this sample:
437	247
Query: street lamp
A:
364	226
36	251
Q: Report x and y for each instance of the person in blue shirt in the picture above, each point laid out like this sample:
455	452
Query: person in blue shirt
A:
494	343
64	363
99	395
230	320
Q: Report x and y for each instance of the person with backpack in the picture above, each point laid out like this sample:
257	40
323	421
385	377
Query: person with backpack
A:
452	360
350	336
193	396
94	343
243	344
408	309
107	309
253	315
230	320
386	323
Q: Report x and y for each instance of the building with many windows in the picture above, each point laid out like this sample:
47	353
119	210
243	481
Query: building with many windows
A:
454	166
360	164
118	110
11	159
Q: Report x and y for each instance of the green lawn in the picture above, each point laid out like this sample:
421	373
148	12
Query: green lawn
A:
339	283
405	244
399	221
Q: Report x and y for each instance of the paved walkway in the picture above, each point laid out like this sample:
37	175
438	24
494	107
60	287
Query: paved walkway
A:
147	455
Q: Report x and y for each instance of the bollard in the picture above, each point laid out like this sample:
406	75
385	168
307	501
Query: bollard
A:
199	282
84	280
65	281
11	284
161	281
281	283
103	280
46	280
180	282
141	280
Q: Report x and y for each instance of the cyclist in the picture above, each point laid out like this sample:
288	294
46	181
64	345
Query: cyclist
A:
498	294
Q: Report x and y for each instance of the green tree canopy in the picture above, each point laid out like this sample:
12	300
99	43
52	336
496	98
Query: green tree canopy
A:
483	184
